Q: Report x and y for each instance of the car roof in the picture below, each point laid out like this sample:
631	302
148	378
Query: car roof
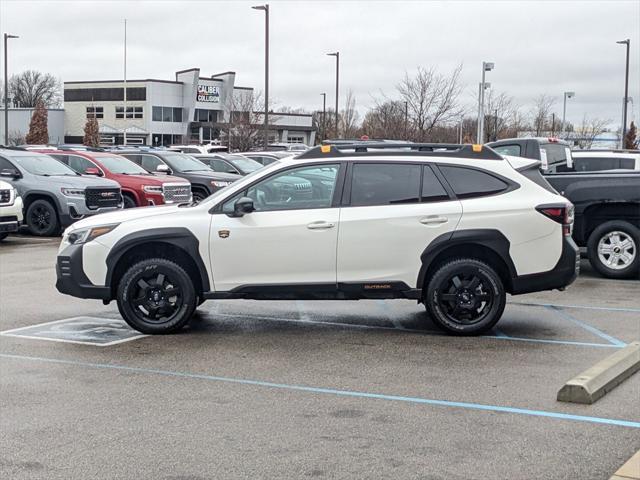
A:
18	152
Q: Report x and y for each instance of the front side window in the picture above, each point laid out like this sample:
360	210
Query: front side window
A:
244	164
222	166
385	184
184	163
469	183
150	163
307	187
79	164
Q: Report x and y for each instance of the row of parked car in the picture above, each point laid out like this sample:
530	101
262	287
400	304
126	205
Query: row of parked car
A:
48	188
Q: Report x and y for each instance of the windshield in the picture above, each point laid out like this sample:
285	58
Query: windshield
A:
43	165
117	164
184	163
245	164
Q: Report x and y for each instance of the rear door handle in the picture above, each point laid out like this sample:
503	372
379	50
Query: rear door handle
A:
320	225
433	220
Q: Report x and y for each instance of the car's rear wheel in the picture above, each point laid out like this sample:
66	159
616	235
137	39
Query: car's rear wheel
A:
613	249
42	219
156	296
465	297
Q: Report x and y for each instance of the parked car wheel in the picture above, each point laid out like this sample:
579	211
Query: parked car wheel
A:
199	195
613	249
42	218
128	202
156	296
465	297
3	236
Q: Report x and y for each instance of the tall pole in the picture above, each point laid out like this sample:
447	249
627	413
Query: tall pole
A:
406	120
124	115
324	115
265	8
6	90
486	67
627	42
479	113
564	112
337	55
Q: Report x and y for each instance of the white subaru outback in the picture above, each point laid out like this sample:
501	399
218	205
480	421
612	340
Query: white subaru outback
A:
455	227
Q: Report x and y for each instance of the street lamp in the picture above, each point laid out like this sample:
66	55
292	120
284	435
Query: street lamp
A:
324	114
265	8
486	67
6	90
337	55
564	109
626	42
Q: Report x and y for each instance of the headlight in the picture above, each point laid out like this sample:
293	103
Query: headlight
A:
220	184
84	235
73	192
152	188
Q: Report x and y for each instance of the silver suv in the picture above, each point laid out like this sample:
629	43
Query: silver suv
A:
55	196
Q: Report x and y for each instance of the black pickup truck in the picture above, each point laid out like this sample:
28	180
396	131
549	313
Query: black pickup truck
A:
607	204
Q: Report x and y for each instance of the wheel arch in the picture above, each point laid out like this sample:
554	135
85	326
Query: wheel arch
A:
598	213
487	245
133	194
176	244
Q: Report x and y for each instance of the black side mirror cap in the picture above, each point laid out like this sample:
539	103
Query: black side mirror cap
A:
10	173
243	206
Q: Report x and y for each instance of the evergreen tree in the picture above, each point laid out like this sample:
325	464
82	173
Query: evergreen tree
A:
91	133
630	139
38	132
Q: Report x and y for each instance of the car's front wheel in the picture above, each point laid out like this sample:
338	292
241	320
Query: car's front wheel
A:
613	249
156	296
465	297
42	219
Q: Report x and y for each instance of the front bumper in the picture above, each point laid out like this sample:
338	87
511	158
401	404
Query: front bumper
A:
71	279
562	275
76	209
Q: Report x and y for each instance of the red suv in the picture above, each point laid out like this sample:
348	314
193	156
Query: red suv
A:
139	187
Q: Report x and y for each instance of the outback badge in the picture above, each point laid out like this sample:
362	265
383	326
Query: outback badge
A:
223	233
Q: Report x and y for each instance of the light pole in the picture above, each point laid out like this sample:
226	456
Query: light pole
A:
324	114
406	120
6	90
337	55
486	67
265	8
564	110
626	42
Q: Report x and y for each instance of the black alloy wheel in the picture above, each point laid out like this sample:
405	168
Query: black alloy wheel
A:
42	219
156	296
465	297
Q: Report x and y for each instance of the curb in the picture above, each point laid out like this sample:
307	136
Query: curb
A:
595	382
630	470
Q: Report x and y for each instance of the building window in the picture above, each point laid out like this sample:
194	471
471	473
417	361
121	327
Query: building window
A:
156	114
167	114
132	112
177	114
205	116
295	139
95	112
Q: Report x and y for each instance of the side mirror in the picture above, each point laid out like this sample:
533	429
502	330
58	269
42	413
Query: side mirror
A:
234	172
162	168
10	173
243	206
93	171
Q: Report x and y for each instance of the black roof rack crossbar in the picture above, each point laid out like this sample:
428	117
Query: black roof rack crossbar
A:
402	149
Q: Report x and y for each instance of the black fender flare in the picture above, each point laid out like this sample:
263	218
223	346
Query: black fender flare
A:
492	239
179	237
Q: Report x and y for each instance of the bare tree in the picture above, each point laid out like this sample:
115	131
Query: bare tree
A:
502	116
31	87
432	99
541	113
245	121
16	137
348	118
586	133
386	120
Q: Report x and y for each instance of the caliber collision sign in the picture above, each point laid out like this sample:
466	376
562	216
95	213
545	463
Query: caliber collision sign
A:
208	93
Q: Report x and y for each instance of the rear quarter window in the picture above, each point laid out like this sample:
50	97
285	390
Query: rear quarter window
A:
513	150
471	183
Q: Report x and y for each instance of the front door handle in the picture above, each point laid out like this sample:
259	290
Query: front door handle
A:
433	220
320	225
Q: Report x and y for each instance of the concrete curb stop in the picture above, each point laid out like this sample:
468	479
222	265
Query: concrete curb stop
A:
595	382
630	470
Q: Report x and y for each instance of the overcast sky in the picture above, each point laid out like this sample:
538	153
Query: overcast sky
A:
538	46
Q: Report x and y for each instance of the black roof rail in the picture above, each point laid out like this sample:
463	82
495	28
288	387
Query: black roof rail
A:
368	149
13	147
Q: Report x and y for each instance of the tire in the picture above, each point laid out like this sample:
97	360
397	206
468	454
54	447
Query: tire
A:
42	219
613	249
128	202
3	236
198	195
465	297
143	299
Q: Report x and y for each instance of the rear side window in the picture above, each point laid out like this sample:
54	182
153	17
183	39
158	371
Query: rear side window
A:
385	184
508	150
432	189
469	183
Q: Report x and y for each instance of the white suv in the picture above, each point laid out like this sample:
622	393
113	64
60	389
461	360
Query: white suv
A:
10	209
455	227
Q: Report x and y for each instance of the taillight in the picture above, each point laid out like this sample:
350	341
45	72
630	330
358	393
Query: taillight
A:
563	214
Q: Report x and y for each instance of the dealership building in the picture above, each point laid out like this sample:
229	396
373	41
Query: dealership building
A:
189	109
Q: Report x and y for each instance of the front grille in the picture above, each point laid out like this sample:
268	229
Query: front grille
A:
176	193
5	196
102	197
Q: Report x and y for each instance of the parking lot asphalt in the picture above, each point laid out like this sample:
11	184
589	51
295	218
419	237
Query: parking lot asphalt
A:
367	389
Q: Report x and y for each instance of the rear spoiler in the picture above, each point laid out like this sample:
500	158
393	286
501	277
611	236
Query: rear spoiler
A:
520	163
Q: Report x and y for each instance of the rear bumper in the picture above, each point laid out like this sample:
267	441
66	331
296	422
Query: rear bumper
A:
71	279
562	275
